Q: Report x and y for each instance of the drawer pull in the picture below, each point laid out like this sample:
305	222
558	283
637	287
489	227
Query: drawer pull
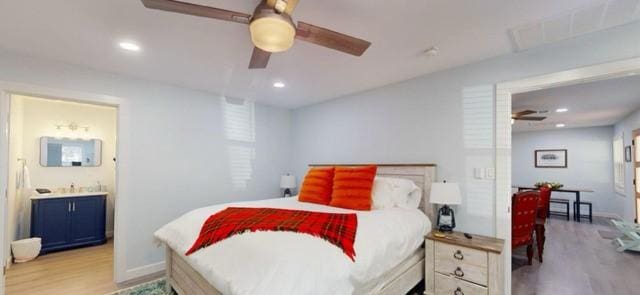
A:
458	272
458	255
458	292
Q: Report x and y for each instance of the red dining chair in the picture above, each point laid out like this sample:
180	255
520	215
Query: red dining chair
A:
541	218
524	207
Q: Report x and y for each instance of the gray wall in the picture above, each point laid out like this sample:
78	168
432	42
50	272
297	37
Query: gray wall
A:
590	164
423	119
625	127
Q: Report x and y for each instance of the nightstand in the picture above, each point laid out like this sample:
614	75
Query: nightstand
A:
460	266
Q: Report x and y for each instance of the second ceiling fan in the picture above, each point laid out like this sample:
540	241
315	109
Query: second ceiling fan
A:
524	116
271	27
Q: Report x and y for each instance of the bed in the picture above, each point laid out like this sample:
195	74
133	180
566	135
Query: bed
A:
375	273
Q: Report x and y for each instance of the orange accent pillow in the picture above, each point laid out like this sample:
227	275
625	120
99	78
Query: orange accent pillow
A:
352	187
317	186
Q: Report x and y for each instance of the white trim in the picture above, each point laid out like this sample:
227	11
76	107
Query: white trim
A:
7	88
504	90
135	273
4	178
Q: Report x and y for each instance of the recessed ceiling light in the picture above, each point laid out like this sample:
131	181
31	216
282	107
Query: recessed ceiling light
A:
560	125
562	110
129	46
278	85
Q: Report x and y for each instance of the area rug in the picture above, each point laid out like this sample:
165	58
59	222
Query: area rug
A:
608	235
149	288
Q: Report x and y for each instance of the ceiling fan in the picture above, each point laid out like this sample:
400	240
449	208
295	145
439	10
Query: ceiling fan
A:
524	116
271	27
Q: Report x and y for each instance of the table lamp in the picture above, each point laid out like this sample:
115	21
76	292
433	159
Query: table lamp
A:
445	193
287	182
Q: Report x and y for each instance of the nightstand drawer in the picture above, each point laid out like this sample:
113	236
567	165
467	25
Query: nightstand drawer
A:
447	285
465	263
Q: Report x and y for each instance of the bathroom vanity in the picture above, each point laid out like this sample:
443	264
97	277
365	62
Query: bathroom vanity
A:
66	221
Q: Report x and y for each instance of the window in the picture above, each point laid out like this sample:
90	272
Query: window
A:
618	164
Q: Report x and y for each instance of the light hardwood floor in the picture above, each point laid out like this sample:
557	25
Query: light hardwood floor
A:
577	260
79	271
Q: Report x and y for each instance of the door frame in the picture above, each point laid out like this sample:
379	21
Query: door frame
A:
7	89
504	92
636	164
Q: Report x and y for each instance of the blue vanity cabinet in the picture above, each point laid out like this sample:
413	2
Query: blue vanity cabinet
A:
70	222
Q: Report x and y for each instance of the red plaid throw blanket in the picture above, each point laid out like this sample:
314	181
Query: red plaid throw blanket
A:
337	229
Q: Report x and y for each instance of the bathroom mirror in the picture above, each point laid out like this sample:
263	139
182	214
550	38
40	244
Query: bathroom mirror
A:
67	152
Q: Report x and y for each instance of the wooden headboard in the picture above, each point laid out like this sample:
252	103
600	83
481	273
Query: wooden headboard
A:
421	174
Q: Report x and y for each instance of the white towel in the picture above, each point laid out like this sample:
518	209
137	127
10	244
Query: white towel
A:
23	193
26	178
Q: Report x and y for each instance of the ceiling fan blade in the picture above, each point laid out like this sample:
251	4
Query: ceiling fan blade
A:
291	4
330	39
530	118
259	58
524	113
197	10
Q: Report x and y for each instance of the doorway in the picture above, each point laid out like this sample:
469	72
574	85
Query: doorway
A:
504	92
61	188
635	157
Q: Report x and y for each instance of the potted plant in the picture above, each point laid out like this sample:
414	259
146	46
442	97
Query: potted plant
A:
553	185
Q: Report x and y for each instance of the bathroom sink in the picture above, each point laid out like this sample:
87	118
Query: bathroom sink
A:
68	195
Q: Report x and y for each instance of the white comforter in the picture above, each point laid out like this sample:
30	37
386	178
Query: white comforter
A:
292	263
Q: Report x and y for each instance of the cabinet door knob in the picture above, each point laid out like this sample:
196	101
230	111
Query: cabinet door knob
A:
458	255
458	292
458	272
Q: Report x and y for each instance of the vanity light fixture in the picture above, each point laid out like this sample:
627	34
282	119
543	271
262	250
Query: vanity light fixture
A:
561	125
72	127
278	85
562	110
129	46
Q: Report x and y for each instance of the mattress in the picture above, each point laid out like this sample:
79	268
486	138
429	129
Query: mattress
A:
292	263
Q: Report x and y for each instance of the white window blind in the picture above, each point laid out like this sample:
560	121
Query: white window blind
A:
618	164
239	120
239	128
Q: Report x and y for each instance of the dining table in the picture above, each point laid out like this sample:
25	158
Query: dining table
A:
576	191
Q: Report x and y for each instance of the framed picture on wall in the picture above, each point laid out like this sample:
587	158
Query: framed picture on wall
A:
627	154
551	158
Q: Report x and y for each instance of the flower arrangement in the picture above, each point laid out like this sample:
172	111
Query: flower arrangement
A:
553	185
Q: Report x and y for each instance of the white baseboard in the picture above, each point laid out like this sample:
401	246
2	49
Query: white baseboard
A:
9	261
109	234
607	215
138	272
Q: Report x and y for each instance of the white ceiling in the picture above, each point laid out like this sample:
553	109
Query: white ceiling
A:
599	103
213	55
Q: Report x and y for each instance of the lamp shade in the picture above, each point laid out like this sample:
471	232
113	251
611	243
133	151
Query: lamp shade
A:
287	181
445	193
272	32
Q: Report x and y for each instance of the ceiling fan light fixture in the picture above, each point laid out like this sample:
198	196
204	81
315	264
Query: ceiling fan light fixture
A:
272	32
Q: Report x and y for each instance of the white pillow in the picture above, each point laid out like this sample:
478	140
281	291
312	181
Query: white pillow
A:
395	192
382	194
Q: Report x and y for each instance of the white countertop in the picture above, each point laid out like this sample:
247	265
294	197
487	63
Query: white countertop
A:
67	195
